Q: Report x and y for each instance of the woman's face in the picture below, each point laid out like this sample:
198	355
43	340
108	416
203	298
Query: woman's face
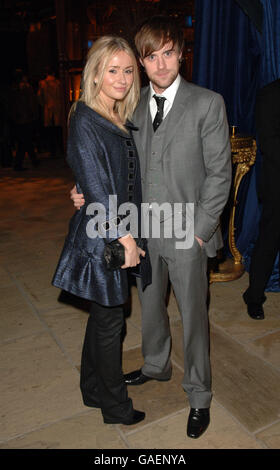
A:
118	78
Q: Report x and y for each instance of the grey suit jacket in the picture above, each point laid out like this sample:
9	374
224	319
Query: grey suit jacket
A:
196	156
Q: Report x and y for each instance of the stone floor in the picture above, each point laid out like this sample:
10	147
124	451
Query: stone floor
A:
41	340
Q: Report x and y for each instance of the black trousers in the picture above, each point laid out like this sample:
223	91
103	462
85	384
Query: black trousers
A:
54	140
102	383
24	137
264	254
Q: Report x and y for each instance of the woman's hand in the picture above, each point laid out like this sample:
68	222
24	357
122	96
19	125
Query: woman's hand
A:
77	198
131	251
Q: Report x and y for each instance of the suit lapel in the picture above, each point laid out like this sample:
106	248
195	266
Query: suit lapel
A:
177	111
141	120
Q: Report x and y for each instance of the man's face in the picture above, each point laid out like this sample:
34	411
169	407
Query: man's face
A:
162	66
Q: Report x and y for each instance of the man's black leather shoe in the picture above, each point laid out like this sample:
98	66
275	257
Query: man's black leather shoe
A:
255	311
135	418
199	419
137	378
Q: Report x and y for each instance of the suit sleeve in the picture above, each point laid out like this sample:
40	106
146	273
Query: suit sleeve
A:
217	161
88	163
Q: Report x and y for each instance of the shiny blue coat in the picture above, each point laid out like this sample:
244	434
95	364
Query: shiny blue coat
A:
104	161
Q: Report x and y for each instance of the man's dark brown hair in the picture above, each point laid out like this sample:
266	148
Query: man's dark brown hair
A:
157	31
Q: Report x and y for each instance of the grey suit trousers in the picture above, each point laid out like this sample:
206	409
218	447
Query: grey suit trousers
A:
187	270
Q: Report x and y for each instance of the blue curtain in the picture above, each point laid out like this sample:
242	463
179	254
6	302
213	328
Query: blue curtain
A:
227	57
270	41
234	59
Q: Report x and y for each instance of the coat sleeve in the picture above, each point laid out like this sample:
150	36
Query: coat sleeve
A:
217	161
88	161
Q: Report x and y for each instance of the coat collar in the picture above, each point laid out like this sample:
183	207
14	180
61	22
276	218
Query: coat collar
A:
101	121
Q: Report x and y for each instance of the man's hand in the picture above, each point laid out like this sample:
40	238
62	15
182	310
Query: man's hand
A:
77	198
199	240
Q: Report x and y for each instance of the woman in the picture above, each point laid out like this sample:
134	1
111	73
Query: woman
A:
104	160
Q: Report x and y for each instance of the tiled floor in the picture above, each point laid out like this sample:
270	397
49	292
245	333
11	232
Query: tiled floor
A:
41	339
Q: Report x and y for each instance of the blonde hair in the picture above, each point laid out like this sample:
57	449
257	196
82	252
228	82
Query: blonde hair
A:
98	58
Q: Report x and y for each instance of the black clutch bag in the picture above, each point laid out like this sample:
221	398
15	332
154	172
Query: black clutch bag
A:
114	253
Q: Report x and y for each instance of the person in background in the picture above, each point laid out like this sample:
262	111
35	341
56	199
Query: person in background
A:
104	161
268	242
6	158
49	96
24	113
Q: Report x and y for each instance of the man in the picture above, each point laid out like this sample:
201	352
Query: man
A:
49	95
268	243
184	153
24	114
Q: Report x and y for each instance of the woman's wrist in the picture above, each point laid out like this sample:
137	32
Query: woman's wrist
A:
127	241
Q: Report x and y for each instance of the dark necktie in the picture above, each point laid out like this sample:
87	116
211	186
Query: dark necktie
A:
159	115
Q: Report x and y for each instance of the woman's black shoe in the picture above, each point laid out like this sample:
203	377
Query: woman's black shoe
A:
135	418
